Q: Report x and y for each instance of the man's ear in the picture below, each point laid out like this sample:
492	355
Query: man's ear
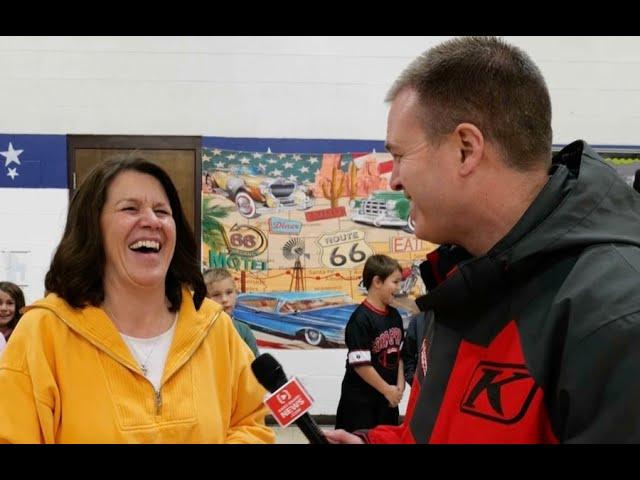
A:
471	145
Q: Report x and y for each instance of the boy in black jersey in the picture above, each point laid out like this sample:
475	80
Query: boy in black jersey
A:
374	381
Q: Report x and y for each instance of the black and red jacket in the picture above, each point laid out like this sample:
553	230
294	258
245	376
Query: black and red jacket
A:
538	341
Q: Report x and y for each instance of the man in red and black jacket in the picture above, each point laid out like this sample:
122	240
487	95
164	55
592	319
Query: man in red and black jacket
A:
536	336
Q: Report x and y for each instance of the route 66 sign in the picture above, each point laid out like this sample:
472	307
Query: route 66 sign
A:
344	249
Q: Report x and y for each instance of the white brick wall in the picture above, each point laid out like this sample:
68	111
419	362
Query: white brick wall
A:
295	87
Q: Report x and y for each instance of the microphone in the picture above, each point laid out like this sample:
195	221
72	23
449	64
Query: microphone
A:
271	376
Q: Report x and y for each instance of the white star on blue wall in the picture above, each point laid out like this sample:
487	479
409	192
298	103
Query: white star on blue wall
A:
11	155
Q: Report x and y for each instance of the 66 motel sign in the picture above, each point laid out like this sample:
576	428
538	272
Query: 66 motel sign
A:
344	249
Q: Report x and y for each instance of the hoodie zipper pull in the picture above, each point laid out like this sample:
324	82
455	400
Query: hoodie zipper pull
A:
158	402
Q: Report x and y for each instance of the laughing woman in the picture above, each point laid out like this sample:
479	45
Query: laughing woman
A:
125	348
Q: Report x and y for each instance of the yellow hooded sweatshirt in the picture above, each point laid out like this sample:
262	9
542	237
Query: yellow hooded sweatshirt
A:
67	376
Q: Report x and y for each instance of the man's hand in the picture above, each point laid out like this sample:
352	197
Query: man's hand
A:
341	436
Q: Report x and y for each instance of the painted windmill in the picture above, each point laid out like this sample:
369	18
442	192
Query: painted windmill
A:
294	250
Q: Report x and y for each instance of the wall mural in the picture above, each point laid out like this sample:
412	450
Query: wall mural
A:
295	230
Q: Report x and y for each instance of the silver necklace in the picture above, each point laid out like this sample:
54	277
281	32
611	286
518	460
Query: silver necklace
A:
143	365
134	350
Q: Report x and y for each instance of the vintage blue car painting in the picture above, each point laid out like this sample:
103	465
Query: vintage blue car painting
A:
316	318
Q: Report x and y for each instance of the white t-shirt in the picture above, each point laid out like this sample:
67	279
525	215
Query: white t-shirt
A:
151	353
3	343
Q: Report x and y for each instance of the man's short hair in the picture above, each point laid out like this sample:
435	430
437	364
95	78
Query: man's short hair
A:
491	84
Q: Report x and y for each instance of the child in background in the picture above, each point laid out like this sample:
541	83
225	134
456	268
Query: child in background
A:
11	303
373	383
222	289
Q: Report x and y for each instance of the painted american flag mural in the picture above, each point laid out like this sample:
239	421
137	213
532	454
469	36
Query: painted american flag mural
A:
33	161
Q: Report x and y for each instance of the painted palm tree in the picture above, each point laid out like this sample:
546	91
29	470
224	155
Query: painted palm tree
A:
213	233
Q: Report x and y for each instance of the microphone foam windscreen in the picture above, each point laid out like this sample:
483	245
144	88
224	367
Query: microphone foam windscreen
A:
269	372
